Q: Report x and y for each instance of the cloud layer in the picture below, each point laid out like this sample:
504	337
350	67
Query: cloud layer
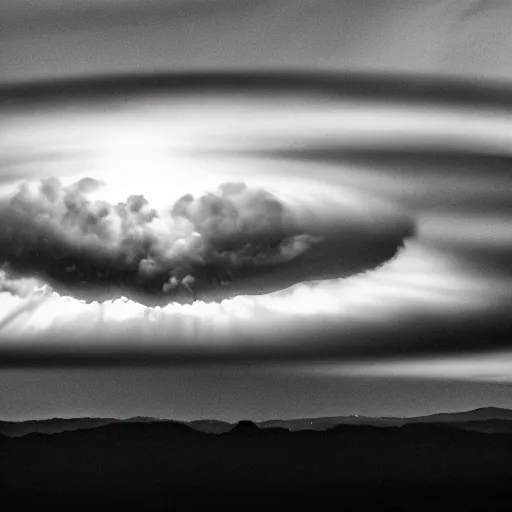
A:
448	290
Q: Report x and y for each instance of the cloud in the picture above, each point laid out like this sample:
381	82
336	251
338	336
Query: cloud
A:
492	366
196	241
20	286
25	294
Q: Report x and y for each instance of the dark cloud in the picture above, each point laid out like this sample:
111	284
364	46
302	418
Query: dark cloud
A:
400	88
199	240
235	241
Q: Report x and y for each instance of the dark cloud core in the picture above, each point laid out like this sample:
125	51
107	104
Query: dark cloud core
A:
215	246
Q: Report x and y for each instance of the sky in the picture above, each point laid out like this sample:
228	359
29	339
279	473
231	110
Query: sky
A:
448	37
411	316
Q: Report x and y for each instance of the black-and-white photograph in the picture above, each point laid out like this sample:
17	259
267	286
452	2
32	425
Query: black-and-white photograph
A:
256	254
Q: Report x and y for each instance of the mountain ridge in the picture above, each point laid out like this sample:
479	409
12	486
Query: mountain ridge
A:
416	466
481	419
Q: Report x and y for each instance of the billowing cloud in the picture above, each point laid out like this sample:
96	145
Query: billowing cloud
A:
197	240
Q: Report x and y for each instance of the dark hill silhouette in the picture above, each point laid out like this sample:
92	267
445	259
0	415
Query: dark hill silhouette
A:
144	464
485	419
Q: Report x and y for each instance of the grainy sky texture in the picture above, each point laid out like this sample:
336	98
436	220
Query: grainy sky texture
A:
55	38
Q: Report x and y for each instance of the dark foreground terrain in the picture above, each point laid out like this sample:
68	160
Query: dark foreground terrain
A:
148	465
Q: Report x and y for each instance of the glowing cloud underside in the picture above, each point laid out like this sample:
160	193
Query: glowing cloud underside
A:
418	285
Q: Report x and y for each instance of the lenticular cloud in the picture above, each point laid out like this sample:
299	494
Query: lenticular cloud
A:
203	239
